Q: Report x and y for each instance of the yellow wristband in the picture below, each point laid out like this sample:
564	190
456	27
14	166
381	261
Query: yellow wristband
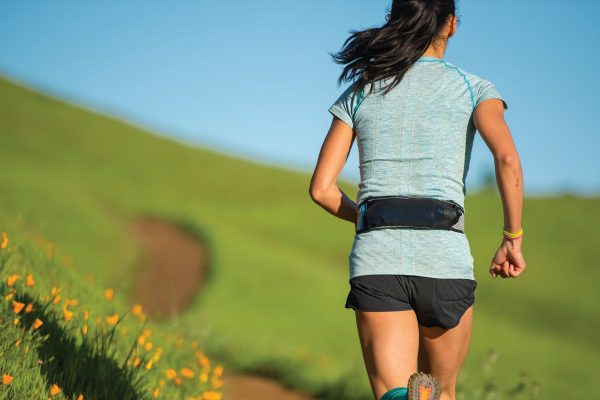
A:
513	235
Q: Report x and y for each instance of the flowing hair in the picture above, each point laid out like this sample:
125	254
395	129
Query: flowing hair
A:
390	50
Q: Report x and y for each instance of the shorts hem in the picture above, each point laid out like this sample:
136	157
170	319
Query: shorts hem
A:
377	309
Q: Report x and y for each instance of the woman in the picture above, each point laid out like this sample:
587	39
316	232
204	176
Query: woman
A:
414	116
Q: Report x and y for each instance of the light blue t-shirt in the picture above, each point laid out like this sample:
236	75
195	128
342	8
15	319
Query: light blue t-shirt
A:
415	141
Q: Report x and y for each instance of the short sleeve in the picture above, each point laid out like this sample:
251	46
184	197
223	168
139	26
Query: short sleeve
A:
487	90
345	106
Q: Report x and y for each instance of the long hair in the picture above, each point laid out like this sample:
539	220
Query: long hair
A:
390	50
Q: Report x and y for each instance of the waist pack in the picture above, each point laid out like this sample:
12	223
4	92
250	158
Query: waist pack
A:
409	212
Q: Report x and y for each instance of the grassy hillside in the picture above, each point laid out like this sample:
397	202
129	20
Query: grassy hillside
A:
274	302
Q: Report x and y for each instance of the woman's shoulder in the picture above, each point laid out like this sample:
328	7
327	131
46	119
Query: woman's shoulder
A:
480	87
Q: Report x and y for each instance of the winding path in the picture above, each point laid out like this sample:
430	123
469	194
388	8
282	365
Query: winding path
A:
174	265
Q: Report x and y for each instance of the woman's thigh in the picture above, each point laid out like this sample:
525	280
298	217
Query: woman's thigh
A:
390	344
443	351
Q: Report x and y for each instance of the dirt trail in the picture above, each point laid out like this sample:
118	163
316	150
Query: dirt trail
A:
174	266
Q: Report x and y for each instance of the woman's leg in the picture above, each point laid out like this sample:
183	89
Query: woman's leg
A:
443	351
390	343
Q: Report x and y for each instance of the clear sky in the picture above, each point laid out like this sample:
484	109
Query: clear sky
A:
254	78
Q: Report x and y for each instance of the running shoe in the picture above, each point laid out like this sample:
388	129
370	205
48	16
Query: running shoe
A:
422	386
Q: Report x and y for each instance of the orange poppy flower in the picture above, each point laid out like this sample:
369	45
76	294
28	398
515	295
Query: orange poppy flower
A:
67	315
37	323
17	306
170	373
29	280
54	390
137	309
109	294
112	319
12	279
6	379
186	373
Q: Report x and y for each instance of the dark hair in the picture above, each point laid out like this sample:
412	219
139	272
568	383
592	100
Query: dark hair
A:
390	50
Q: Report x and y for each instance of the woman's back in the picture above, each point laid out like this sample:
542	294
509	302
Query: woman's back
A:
416	140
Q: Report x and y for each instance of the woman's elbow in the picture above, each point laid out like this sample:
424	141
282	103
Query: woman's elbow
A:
316	193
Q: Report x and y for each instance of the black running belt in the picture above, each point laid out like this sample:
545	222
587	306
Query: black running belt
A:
409	212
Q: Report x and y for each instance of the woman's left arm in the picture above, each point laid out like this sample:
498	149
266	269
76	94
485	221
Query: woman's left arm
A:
332	158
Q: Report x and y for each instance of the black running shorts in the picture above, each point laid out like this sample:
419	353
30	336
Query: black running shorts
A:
436	302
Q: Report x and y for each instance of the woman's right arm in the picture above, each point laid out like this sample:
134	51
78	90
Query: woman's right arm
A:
489	121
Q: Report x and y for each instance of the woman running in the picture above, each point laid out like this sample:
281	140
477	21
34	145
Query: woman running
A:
414	116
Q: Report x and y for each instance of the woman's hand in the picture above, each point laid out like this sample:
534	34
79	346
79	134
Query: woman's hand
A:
508	261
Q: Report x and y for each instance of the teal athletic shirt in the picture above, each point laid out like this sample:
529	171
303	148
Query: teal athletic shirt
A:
415	141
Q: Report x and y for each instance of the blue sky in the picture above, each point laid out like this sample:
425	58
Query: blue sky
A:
254	78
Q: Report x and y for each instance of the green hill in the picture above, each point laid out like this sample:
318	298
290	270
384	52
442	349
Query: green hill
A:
274	302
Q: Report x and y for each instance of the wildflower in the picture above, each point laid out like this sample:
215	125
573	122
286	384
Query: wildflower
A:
9	296
203	376
67	315
17	306
37	323
80	397
141	339
157	354
29	307
170	373
147	332
6	379
112	319
186	373
54	390
137	309
86	315
203	361
71	302
84	329
148	346
16	321
29	282
12	279
218	371
211	395
18	343
109	294
156	392
178	381
149	364
54	291
56	299
4	241
136	362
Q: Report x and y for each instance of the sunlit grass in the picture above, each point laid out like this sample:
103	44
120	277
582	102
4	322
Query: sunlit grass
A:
56	345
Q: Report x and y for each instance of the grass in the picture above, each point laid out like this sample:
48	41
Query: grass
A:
64	338
274	300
